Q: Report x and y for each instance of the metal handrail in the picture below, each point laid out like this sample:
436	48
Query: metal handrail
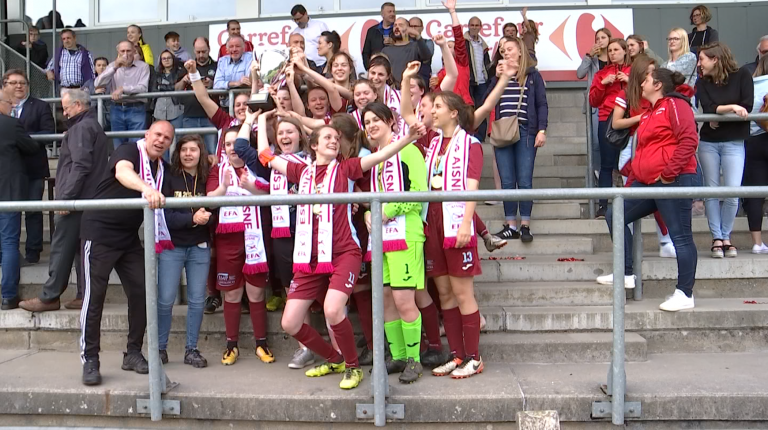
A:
26	32
155	95
30	64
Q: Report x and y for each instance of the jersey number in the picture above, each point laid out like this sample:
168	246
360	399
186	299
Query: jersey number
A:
467	256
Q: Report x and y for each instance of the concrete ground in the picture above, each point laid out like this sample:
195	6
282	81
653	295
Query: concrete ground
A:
670	387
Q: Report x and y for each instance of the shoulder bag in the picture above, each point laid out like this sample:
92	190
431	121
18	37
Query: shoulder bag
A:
506	131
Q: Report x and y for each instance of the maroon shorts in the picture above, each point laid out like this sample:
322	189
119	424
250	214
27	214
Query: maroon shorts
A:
230	259
460	263
310	286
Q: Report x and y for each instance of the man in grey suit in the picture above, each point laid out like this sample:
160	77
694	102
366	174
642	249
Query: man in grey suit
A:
14	144
83	160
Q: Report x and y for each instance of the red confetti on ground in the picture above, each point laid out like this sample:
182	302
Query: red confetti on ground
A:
570	259
516	257
754	302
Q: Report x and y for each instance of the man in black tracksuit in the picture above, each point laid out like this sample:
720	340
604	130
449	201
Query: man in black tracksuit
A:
82	164
110	240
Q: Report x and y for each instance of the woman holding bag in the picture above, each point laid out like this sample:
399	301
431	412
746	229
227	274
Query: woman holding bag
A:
518	128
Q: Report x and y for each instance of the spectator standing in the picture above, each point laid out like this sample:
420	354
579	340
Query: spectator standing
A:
168	78
71	65
756	165
35	117
530	33
723	88
426	66
127	76
110	240
328	46
311	29
82	163
637	44
762	51
233	29
593	62
403	50
136	36
232	71
173	44
100	65
509	30
459	48
701	34
14	143
378	36
680	58
38	50
480	63
194	115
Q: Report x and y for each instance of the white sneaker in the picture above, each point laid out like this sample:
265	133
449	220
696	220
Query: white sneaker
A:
760	249
629	281
667	250
677	302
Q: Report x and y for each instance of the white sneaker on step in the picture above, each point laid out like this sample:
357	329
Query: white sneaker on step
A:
667	250
677	302
629	281
760	249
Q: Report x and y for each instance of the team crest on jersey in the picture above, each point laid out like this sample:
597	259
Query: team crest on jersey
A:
225	280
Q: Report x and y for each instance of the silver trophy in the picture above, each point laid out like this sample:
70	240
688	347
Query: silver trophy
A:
272	65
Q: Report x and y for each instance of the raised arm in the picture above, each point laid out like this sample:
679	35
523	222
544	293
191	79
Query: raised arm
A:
277	163
493	97
407	110
333	93
414	132
451	69
201	93
296	102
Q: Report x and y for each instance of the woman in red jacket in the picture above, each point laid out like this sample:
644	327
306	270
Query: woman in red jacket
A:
606	85
665	157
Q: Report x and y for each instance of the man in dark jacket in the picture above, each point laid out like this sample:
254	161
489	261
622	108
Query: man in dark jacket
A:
14	143
36	117
38	50
762	50
83	161
379	35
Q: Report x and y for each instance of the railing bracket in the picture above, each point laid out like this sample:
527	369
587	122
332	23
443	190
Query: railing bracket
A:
394	411
170	407
603	409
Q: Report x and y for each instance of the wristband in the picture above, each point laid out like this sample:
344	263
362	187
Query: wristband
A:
194	77
266	156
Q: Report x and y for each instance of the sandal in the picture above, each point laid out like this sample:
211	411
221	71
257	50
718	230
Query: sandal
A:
730	251
717	250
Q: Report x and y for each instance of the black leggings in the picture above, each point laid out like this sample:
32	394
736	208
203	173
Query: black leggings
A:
756	173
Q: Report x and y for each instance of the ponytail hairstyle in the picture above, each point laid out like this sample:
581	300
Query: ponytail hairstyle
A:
349	133
383	61
623	44
639	40
725	64
454	102
382	111
315	137
303	142
669	80
637	75
334	39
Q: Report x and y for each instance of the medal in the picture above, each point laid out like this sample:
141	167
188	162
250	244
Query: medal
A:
317	208
437	182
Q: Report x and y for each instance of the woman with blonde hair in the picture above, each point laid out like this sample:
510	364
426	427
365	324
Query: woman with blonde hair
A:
724	88
681	59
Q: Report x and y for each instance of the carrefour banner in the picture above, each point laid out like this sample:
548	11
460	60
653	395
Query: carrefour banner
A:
565	35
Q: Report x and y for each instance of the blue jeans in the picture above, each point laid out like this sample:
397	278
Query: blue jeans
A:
609	159
515	163
728	156
10	233
169	266
209	139
676	214
477	92
127	118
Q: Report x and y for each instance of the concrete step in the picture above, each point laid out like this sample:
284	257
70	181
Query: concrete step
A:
676	390
548	245
543	294
562	172
487	182
539	268
545	209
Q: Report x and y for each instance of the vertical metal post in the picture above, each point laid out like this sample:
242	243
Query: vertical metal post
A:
618	376
231	102
590	172
53	45
637	244
156	373
100	111
379	370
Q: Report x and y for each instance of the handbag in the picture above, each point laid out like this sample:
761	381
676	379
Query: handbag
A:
617	138
506	131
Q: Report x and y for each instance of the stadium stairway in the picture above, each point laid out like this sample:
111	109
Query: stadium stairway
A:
546	345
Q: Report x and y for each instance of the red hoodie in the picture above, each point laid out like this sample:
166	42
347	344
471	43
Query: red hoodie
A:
604	97
667	140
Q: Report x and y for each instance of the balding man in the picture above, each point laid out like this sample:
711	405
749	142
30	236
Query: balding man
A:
82	163
408	46
232	71
110	240
762	50
128	76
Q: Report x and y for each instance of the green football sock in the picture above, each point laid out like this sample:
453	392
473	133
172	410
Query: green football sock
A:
412	336
394	331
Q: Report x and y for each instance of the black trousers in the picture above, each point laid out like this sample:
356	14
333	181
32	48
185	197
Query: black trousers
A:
98	260
65	249
755	173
